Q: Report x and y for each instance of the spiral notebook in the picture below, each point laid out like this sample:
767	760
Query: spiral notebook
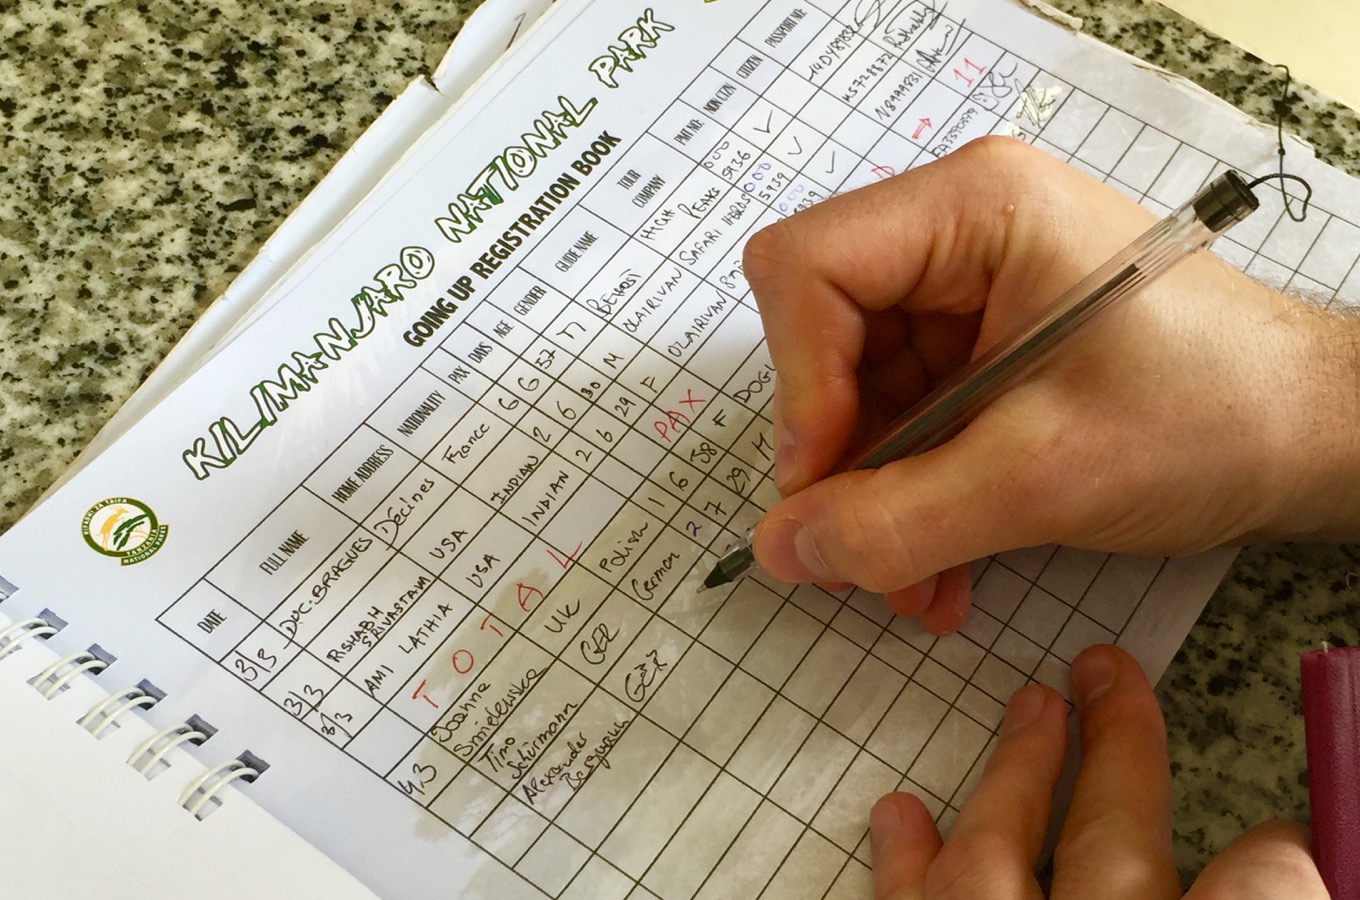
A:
97	803
421	543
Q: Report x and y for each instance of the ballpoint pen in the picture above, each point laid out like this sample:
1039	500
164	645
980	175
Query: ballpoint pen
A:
944	412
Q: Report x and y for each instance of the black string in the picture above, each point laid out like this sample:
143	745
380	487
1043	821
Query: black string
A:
1286	176
1281	107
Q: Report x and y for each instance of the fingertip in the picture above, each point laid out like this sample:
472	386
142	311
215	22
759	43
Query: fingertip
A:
884	817
898	809
903	841
914	599
1026	706
953	598
785	549
1101	667
901	821
789	476
815	407
1093	673
812	435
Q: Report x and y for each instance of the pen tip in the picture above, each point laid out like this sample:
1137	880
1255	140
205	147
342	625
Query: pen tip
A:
730	567
716	578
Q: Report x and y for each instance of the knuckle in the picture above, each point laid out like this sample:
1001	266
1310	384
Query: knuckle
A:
767	252
1004	146
1001	152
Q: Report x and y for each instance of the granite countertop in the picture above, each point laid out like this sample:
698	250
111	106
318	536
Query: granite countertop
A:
147	151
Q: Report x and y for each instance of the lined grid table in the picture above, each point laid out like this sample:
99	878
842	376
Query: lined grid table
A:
486	594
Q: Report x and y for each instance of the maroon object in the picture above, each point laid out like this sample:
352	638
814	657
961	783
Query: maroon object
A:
1331	725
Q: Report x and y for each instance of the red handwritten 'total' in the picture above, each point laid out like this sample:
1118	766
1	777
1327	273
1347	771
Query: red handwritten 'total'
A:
571	557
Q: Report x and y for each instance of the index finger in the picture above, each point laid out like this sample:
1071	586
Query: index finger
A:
1116	841
929	238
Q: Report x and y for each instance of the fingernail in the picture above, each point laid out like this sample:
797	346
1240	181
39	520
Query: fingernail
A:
1025	706
1093	673
787	472
788	552
884	819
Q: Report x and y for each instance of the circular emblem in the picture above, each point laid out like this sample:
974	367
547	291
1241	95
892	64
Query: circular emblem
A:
124	529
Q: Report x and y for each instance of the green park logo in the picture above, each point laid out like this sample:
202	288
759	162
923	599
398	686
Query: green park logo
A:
124	529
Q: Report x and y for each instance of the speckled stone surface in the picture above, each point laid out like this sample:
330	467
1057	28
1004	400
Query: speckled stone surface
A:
148	149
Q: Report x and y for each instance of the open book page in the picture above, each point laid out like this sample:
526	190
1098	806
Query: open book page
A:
427	536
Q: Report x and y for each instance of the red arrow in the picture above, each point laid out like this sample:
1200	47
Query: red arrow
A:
924	124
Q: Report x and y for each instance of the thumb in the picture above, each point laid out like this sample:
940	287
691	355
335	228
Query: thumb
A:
1268	861
888	528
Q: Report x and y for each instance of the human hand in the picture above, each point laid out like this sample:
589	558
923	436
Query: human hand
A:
1115	841
1205	410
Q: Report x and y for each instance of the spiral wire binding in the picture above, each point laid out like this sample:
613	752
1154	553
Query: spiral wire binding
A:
204	788
161	743
102	714
49	683
13	635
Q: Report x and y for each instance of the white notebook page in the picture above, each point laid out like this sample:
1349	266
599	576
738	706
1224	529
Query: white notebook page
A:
76	820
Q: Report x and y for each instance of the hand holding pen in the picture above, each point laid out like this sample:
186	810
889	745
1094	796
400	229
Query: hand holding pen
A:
1162	427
